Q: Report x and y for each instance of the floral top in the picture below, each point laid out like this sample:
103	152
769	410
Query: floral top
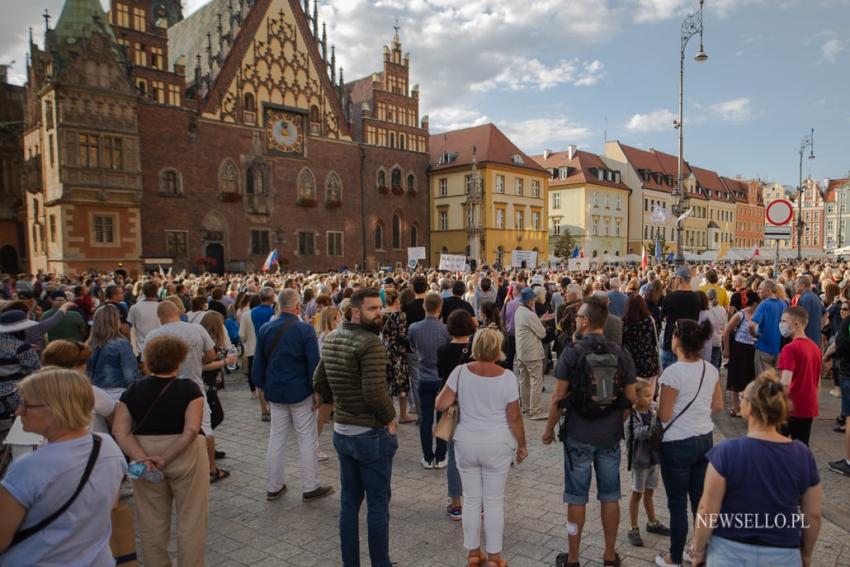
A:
395	340
18	359
642	343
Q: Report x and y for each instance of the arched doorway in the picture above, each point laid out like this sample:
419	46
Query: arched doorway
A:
9	260
216	252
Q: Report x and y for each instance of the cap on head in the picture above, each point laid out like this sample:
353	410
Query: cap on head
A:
527	295
684	273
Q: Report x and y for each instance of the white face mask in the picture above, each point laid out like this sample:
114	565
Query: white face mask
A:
785	330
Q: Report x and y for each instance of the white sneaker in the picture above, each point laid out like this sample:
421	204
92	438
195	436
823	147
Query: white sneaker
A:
426	464
441	464
660	561
835	393
322	457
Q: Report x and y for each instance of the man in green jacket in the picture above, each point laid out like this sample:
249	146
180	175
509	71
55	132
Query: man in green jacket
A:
352	375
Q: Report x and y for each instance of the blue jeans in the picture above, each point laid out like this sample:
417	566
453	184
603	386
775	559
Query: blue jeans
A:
453	475
365	468
683	466
428	390
716	357
723	552
579	461
668	358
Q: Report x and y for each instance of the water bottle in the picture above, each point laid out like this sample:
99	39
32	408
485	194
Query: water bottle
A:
140	470
231	351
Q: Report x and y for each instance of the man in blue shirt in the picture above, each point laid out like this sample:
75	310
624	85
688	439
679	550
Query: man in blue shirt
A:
808	300
765	326
425	337
286	358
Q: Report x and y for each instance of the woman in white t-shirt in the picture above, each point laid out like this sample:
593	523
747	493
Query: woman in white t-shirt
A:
690	392
489	432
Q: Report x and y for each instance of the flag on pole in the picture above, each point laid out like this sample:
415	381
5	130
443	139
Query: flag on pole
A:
660	214
271	260
756	254
644	261
685	215
575	252
657	249
670	258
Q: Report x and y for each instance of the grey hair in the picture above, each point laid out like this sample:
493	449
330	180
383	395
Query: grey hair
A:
575	289
266	294
288	298
804	281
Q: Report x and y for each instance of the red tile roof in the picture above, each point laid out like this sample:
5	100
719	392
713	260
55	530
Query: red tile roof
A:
643	160
361	90
584	165
490	144
709	181
832	188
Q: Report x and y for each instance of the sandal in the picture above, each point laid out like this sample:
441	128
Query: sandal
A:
497	563
218	474
475	558
562	560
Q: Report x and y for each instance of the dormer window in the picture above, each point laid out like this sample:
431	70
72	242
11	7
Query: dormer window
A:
447	158
563	172
600	174
516	159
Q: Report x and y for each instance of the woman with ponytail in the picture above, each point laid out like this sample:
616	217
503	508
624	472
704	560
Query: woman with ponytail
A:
766	476
690	392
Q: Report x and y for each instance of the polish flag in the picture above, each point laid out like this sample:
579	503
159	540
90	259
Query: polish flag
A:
644	261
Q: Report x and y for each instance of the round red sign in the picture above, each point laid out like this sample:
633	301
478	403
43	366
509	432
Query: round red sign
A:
779	212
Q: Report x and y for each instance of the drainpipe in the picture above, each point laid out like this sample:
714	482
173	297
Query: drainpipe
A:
362	204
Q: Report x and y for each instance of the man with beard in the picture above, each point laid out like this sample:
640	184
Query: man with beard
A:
352	375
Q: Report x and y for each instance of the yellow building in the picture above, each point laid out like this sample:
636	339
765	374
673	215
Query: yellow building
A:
588	198
513	190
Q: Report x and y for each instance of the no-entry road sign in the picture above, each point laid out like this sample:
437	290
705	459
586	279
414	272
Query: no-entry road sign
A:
779	212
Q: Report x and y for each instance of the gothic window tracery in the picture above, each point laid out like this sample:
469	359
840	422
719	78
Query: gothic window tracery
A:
333	188
306	185
228	177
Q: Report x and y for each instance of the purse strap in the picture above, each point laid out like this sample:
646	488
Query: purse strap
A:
701	378
21	535
153	405
276	341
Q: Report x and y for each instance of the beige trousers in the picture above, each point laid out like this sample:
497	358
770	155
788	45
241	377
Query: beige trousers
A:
186	482
530	374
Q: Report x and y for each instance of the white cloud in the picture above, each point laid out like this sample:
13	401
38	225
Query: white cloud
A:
735	110
649	11
520	73
830	49
532	136
455	118
652	121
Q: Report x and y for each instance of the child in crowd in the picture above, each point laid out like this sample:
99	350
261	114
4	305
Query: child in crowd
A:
643	462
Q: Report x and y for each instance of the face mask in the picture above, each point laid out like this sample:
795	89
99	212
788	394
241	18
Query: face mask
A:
785	329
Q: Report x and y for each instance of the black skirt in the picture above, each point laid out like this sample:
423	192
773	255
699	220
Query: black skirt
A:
741	369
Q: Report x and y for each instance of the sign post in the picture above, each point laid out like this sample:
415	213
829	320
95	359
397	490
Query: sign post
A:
778	215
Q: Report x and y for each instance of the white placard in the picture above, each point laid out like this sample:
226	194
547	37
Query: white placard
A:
452	262
416	253
520	256
579	264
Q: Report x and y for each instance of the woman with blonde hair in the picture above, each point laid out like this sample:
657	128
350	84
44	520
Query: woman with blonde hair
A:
327	320
76	473
113	364
157	422
488	437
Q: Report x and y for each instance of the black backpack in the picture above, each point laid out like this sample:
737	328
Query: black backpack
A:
599	382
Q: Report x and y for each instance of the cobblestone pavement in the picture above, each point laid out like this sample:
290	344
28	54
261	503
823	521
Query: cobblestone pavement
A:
245	529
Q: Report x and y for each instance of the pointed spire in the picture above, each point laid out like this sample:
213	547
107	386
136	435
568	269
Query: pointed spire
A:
324	43
315	18
333	63
46	17
198	72
341	80
220	29
307	8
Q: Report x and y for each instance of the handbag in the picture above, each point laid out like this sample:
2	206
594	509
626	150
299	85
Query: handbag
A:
445	429
657	430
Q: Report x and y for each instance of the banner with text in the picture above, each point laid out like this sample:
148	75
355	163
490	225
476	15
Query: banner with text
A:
452	262
416	253
579	264
520	256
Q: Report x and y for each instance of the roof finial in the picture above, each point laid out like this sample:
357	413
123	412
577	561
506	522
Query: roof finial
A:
341	80
396	39
333	63
46	17
315	18
324	42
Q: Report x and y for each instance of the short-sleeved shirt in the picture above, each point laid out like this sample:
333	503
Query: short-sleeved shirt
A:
43	481
167	417
764	479
803	358
607	430
143	318
482	399
680	304
684	377
196	338
722	296
767	317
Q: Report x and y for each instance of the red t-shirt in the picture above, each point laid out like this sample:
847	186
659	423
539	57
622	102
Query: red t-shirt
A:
803	358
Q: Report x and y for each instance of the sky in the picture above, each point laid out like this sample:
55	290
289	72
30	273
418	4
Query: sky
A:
551	73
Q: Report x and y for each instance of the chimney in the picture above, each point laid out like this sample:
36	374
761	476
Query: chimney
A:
546	153
571	151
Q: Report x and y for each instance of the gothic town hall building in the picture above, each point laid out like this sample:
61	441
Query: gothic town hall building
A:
206	142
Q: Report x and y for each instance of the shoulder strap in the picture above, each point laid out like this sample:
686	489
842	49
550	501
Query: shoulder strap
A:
276	341
701	378
158	397
21	535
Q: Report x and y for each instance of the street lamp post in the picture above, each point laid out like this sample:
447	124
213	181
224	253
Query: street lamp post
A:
691	26
808	141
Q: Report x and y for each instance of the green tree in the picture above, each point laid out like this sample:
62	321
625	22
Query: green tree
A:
562	245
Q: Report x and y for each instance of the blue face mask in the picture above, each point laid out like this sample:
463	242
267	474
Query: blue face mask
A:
785	330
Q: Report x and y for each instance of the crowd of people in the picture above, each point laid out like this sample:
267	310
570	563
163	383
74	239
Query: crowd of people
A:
115	381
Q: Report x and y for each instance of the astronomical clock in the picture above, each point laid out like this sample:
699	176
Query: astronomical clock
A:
284	131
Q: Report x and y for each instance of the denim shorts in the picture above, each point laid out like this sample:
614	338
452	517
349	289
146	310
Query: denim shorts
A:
845	396
579	461
723	552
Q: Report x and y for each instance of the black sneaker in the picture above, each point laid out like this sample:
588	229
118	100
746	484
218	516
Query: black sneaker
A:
658	528
220	455
634	537
320	492
840	466
277	494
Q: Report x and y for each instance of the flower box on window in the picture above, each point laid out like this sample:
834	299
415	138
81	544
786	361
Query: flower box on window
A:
398	190
305	202
229	197
383	190
333	204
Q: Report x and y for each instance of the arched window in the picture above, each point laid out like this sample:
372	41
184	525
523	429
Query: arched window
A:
379	236
333	188
382	179
228	177
396	178
396	231
392	139
414	236
169	183
249	103
411	183
306	184
314	113
255	179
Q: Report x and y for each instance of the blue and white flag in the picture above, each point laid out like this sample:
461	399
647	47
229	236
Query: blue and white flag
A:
657	249
575	252
271	260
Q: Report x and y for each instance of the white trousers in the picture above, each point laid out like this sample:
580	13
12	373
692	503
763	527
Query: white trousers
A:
484	460
302	417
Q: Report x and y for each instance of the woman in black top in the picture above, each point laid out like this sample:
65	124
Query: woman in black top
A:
157	422
461	326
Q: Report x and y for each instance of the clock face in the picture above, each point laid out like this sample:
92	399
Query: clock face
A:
284	132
